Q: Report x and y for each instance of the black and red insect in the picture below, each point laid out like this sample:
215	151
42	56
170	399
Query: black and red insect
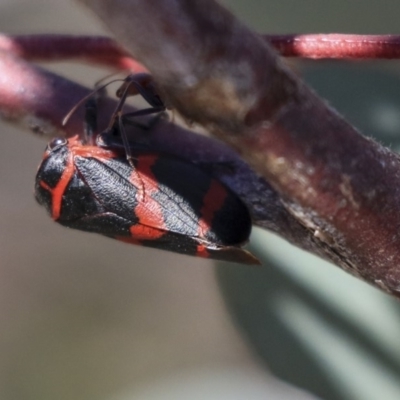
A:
150	199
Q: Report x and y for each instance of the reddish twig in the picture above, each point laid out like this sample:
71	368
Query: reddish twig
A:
35	97
101	50
340	46
93	49
340	186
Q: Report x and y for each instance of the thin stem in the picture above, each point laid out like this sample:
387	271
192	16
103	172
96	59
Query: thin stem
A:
105	51
98	50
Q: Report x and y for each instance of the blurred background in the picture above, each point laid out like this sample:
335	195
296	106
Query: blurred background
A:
84	317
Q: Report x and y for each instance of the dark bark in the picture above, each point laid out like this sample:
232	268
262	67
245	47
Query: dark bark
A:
341	187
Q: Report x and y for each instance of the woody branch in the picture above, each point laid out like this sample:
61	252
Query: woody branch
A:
341	187
337	191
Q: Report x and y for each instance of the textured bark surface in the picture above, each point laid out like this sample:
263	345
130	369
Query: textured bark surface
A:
341	187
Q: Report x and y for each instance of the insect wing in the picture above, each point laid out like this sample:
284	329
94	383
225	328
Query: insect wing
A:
163	202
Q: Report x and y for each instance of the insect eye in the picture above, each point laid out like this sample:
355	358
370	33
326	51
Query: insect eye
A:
56	143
